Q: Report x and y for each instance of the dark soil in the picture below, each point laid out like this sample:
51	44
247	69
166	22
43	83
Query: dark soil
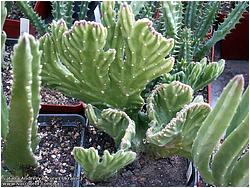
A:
147	172
48	96
56	164
144	171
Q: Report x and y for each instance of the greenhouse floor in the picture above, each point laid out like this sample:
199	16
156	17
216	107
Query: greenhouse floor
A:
232	68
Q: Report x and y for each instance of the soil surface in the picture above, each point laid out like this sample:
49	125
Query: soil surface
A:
56	165
48	96
144	171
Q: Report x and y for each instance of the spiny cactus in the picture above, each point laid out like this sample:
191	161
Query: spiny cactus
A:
83	9
199	18
60	9
174	120
24	107
228	166
36	20
98	169
83	69
196	74
223	29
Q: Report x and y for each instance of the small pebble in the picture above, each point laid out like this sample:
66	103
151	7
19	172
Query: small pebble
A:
62	171
53	156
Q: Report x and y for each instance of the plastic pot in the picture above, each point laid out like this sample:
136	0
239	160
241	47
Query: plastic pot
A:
63	109
68	120
236	44
12	27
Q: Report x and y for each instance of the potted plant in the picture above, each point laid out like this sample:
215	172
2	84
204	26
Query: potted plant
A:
26	136
110	66
12	27
69	10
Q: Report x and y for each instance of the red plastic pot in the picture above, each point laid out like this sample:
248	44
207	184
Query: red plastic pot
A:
12	27
236	45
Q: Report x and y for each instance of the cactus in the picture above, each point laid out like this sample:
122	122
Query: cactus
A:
196	74
189	24
3	34
228	166
24	107
223	29
98	169
174	120
83	9
199	18
241	113
104	77
115	123
4	107
63	9
36	20
60	10
4	116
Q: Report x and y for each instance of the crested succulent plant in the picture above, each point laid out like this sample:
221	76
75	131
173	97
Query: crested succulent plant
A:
100	168
108	66
189	24
228	165
174	119
108	63
115	123
22	135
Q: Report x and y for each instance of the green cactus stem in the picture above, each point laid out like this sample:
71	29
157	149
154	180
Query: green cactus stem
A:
24	106
196	74
100	168
36	20
84	70
174	120
115	123
221	169
223	29
4	116
83	6
241	113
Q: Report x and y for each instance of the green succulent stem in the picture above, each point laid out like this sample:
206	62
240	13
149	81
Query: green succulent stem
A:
24	106
36	20
226	161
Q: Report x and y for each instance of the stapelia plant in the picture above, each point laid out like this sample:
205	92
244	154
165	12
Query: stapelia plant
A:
60	9
4	108
196	74
229	165
22	135
174	119
108	66
193	21
189	24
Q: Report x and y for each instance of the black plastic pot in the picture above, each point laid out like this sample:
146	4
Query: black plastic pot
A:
69	120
